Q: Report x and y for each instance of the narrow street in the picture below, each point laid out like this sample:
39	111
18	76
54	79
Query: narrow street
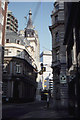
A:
32	110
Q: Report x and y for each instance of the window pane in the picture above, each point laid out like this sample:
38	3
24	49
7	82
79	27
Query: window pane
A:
17	68
18	42
1	19
6	52
7	40
57	55
57	37
18	53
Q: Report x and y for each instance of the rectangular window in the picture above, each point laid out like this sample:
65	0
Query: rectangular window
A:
7	40
6	52
18	68
8	27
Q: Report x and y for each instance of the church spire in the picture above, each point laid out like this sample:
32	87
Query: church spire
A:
30	24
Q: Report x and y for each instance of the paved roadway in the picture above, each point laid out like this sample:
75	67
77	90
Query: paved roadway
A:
36	109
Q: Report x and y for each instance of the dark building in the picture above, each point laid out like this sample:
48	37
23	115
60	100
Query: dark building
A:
59	57
72	42
3	12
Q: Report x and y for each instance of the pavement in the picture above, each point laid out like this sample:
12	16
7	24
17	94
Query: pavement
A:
45	112
39	112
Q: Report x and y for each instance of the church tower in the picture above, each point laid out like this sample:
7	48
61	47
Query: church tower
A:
32	36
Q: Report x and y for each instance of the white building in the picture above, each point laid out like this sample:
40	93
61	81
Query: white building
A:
31	35
46	77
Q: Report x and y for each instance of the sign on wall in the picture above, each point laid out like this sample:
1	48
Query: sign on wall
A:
63	79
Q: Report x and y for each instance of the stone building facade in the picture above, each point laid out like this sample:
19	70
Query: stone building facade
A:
72	42
19	74
59	56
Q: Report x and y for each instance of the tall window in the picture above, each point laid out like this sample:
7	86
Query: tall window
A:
57	37
6	52
18	68
8	27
